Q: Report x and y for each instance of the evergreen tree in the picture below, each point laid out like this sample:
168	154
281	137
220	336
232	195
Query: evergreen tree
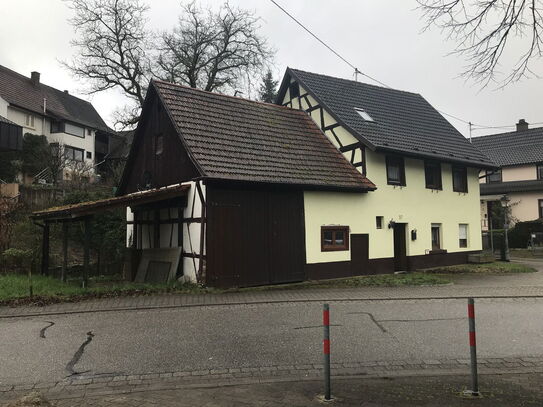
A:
268	88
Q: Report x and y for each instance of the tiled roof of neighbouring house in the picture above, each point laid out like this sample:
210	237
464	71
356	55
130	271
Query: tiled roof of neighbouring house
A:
513	148
511	186
18	90
402	121
232	138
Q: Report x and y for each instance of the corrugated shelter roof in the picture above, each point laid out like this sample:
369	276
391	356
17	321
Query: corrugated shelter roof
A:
403	122
82	209
231	138
19	90
513	148
511	186
4	120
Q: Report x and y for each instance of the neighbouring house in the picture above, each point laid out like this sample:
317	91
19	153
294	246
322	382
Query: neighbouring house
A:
519	155
63	118
349	179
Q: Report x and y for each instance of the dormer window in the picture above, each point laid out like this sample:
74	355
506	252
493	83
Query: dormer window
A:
365	115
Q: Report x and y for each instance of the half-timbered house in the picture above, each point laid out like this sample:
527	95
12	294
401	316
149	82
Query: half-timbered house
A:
425	211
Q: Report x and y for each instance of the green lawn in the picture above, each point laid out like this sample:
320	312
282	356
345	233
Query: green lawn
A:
497	267
14	287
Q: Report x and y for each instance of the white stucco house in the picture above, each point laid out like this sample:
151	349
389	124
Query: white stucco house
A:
63	118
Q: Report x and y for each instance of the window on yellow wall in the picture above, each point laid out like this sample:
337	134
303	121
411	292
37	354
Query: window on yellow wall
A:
334	238
463	235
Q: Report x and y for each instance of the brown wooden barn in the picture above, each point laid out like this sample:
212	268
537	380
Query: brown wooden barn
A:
248	165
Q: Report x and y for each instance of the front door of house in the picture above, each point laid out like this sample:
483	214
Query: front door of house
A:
400	249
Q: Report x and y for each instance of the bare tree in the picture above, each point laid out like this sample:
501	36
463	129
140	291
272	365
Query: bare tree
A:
113	47
213	50
485	29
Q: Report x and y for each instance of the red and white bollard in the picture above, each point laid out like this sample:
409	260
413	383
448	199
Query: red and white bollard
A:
326	350
473	348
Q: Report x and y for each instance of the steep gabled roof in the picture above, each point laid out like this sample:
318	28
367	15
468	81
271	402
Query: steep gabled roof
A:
403	122
513	148
231	138
19	90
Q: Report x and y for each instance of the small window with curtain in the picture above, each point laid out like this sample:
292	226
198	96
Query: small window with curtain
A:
395	170
460	179
334	238
432	173
379	222
540	206
463	235
159	144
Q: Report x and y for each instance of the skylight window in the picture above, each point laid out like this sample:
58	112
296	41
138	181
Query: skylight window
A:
363	114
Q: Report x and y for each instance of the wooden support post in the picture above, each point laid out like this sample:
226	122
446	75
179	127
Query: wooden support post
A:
64	251
86	256
45	250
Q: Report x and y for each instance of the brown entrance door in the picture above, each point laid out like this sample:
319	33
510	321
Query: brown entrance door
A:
400	249
359	254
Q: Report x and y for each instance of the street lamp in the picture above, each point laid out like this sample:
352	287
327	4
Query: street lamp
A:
505	204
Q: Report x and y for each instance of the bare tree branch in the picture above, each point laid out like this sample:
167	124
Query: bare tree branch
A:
484	31
213	50
113	46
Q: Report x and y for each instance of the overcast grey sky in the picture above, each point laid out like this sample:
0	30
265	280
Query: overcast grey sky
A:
382	37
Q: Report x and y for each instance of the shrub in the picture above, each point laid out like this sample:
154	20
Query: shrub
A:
519	236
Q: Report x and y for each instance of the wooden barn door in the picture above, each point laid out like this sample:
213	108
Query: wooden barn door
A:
286	245
254	237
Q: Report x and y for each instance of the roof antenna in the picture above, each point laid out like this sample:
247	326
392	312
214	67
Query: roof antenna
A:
238	91
470	125
356	72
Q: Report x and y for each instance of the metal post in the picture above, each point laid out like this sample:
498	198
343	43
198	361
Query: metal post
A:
326	350
473	348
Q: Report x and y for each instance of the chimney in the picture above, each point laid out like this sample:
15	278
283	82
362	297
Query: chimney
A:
522	125
66	91
35	77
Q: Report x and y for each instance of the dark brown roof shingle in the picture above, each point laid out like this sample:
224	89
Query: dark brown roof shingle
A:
19	90
232	138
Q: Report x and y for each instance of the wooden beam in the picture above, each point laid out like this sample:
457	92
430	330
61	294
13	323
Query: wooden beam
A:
359	164
86	253
331	127
350	147
45	250
311	109
64	270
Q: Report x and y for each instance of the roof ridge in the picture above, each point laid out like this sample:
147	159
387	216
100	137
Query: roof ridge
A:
507	132
11	71
223	95
355	82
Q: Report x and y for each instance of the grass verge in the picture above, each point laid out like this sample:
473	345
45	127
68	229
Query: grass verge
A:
497	267
14	287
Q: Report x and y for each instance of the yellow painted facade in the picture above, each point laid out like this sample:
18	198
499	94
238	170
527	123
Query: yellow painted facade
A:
413	204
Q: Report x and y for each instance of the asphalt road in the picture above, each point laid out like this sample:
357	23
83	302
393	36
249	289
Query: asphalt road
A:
153	341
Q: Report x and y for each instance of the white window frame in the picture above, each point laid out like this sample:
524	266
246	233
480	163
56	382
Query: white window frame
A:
30	121
365	115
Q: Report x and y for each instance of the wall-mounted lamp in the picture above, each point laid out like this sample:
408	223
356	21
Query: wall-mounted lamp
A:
391	224
414	234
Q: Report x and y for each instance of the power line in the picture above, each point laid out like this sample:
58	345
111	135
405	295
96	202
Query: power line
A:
356	70
473	126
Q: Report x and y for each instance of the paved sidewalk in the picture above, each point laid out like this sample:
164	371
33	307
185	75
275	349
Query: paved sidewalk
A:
430	387
484	286
82	385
